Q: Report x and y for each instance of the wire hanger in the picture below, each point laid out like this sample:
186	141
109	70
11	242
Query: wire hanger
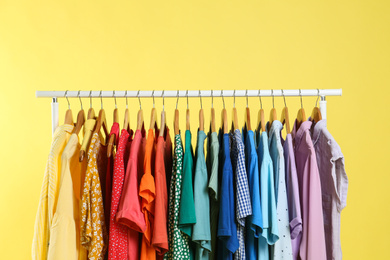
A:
316	113
301	117
235	118
140	115
68	113
187	114
224	120
112	139
162	129
201	114
260	116
176	117
247	114
285	119
153	114
272	114
212	122
80	117
91	111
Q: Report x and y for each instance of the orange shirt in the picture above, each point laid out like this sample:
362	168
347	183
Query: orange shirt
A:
160	235
147	193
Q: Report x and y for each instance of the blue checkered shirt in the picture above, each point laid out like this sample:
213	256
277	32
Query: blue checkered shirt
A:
243	200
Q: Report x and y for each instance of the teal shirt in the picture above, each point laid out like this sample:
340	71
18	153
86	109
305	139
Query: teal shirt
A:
187	216
201	234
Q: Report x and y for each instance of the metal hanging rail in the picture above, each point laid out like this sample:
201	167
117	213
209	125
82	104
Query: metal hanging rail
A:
184	93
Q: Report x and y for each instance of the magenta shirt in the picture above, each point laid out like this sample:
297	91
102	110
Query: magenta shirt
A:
313	235
294	204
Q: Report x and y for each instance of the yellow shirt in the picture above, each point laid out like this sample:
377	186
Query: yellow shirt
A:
65	229
49	193
93	229
89	125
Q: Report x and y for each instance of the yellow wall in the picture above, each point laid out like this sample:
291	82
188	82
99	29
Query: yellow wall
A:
59	45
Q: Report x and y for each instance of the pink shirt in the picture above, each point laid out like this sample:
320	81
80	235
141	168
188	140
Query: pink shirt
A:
313	237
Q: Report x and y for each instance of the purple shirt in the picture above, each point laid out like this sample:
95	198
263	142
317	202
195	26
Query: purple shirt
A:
294	204
334	185
313	237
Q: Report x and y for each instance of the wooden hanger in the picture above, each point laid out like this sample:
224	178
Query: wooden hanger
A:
91	111
212	117
234	116
68	113
140	115
163	115
201	114
80	118
272	114
301	116
176	117
153	115
260	117
112	139
101	120
247	114
126	121
187	114
316	113
224	121
285	119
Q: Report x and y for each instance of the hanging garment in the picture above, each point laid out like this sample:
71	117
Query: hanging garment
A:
313	237
227	227
254	222
212	167
179	242
129	209
89	125
201	233
147	192
160	233
270	231
93	230
49	193
334	185
282	248
187	217
65	231
167	157
294	204
118	247
243	199
109	175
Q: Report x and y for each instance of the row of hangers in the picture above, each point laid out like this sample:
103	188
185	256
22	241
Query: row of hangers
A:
101	122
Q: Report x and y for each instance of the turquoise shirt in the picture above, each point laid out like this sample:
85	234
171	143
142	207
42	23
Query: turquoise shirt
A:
201	233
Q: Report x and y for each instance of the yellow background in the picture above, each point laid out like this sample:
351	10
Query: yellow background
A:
59	45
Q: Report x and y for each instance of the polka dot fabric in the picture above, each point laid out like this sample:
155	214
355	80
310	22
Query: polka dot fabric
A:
118	233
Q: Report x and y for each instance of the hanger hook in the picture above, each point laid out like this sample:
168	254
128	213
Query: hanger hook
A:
300	95
212	99
81	103
113	94
139	100
127	105
261	103
200	97
177	100
153	97
223	99
246	94
187	97
318	96
66	95
273	98
162	95
101	99
90	98
234	98
284	98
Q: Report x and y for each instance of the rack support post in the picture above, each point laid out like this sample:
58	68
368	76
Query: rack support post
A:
323	107
54	115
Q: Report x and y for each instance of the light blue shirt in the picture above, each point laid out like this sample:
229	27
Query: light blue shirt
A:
282	248
270	232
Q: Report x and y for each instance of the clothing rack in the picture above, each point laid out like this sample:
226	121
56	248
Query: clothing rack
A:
322	93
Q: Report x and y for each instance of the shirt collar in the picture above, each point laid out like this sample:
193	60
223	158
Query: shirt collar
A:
297	134
275	129
318	128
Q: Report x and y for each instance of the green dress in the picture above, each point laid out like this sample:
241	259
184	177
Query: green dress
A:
179	242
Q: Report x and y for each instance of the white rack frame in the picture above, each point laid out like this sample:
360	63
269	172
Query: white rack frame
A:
185	93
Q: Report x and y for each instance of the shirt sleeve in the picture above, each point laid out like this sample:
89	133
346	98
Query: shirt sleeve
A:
340	180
